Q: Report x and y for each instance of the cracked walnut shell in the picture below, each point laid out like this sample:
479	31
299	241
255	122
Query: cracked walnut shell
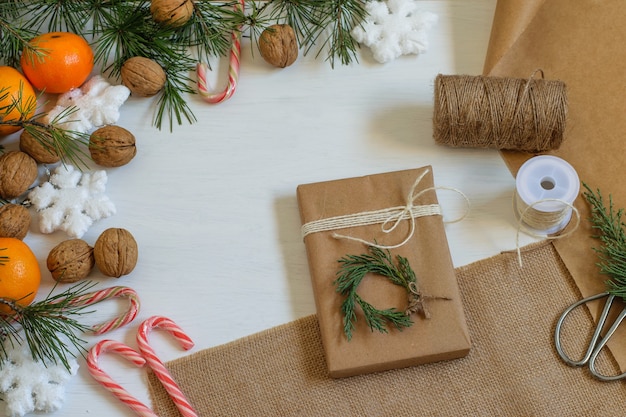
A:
17	172
278	45
112	146
70	260
143	76
116	252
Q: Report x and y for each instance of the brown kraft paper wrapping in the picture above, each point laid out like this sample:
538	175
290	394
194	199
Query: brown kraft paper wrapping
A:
584	47
444	336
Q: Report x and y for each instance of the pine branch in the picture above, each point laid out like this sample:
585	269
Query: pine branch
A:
209	28
121	29
171	102
14	39
608	223
58	15
48	327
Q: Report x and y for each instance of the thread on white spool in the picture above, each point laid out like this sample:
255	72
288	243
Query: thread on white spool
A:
546	187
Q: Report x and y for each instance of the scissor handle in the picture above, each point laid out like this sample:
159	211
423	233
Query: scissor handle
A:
596	334
600	346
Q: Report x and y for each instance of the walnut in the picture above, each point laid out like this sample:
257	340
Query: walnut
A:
173	13
14	221
42	151
112	146
278	45
116	252
70	260
143	76
17	172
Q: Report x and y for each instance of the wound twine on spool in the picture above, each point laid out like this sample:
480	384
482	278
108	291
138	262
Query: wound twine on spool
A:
545	189
498	112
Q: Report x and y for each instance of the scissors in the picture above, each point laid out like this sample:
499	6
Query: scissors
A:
597	343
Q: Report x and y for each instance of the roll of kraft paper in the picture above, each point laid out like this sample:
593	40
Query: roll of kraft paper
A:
526	115
546	187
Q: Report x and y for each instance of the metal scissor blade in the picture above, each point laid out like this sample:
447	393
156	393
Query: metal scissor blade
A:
600	346
596	334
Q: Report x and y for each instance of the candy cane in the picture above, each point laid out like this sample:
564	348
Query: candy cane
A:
157	366
107	382
233	68
106	294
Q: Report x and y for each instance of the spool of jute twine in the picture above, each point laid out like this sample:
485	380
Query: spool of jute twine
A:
497	112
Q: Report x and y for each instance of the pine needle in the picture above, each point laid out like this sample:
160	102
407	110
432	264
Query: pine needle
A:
48	327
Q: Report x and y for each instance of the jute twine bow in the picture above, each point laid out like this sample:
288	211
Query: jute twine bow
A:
497	112
389	218
417	301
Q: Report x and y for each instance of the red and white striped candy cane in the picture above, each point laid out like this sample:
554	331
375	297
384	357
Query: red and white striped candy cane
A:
233	68
107	382
106	294
157	366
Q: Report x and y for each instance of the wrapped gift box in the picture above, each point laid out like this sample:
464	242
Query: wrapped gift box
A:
444	335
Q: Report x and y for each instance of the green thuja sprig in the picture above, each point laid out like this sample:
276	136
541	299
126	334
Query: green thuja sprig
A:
353	268
608	223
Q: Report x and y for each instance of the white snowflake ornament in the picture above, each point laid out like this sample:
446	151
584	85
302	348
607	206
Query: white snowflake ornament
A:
394	28
71	201
96	103
27	385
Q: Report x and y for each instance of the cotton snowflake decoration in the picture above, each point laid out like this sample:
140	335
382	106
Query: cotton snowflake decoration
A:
27	385
96	103
71	201
394	28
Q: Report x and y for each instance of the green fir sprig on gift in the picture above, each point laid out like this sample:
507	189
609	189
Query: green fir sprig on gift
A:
121	29
608	223
352	271
49	327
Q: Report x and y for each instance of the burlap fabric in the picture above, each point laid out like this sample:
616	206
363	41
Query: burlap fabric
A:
512	369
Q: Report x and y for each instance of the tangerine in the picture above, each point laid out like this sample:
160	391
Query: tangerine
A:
17	98
66	63
20	275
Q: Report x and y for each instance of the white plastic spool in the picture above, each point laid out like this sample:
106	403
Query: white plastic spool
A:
546	187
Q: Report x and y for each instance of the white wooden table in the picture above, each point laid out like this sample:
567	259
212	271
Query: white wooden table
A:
212	205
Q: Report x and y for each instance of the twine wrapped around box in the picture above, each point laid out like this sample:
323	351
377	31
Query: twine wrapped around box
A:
417	236
499	112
